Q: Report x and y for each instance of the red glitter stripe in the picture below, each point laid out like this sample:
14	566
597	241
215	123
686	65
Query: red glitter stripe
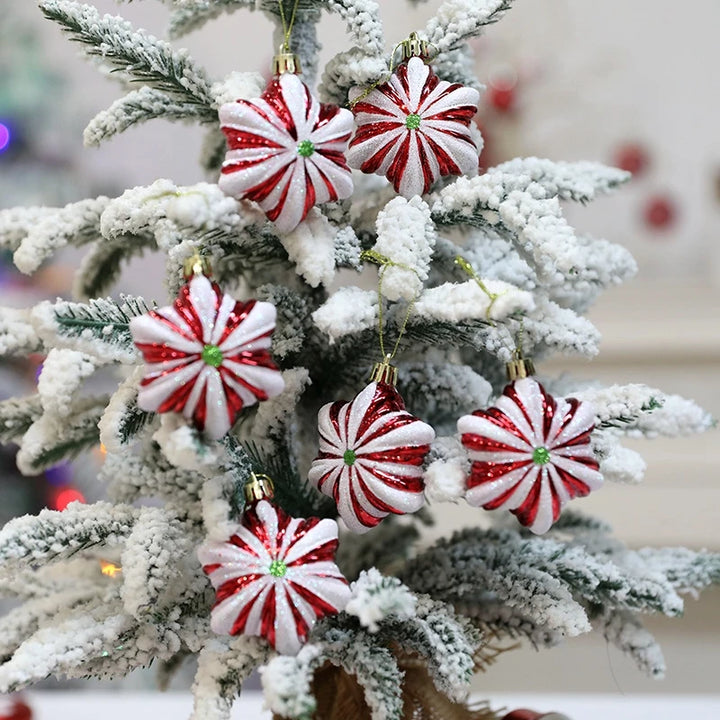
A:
239	542
177	400
371	130
527	511
232	587
482	472
274	97
200	412
158	352
246	140
319	606
447	165
398	166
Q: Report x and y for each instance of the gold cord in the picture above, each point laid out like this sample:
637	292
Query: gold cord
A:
385	263
469	270
287	28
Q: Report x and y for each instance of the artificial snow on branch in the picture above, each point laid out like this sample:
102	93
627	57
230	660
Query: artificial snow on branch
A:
134	53
458	20
99	328
140	106
76	223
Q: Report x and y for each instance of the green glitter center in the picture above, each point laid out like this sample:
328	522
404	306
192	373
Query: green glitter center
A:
541	455
305	148
278	568
212	355
349	457
412	121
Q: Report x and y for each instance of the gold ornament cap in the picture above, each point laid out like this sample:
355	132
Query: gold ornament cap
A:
384	372
519	368
259	487
414	46
286	62
197	265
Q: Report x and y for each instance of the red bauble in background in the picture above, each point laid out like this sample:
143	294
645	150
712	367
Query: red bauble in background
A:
524	714
502	97
660	212
14	709
633	158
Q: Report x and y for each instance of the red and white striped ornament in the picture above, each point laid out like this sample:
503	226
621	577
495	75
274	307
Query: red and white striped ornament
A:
207	356
414	129
371	457
275	577
530	453
286	151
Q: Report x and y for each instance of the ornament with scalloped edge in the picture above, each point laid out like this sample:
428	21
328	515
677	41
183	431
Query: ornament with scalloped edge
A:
207	356
371	457
530	453
414	129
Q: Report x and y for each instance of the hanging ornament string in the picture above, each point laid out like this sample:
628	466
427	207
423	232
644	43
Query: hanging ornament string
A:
385	263
413	46
469	270
287	27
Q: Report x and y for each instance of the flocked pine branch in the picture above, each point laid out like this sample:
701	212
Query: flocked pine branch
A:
140	106
135	54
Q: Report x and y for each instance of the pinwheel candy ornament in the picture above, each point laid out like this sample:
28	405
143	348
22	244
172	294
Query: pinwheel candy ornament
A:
286	149
275	576
371	455
415	128
207	356
530	453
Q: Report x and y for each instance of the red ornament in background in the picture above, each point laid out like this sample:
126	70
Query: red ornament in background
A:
502	98
502	90
660	212
525	714
633	158
14	709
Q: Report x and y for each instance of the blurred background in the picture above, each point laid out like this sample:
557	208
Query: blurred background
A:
629	84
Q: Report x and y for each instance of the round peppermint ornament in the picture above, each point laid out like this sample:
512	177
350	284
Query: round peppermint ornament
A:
414	129
275	577
207	356
371	457
286	151
530	454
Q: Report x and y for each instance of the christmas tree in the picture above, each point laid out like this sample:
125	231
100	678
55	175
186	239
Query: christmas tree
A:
256	518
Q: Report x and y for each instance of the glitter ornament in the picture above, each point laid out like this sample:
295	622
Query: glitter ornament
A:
275	576
371	456
530	453
207	356
286	151
414	129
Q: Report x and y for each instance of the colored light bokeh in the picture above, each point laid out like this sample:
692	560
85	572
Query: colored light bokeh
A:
64	497
5	137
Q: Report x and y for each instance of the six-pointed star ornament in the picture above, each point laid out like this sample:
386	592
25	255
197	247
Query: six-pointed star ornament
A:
371	457
414	129
275	577
207	356
530	453
286	151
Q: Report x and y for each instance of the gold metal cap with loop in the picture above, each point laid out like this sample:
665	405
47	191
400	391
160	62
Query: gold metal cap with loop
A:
286	62
259	487
519	367
414	46
384	372
196	265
